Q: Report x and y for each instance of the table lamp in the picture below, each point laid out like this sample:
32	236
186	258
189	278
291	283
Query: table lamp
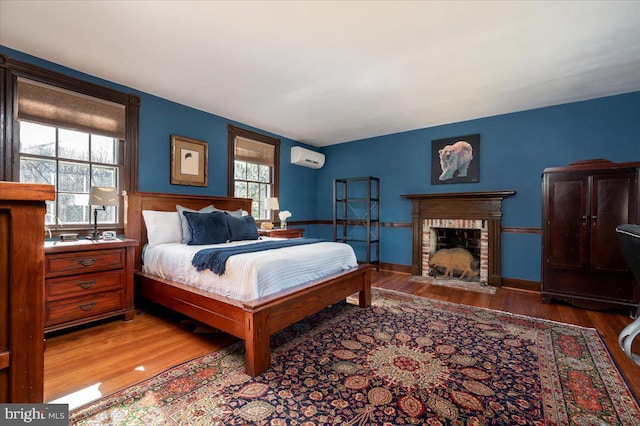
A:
101	196
271	204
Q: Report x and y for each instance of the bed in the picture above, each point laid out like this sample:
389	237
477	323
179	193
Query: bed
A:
253	321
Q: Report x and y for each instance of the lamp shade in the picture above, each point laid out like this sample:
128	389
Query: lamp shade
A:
103	196
272	203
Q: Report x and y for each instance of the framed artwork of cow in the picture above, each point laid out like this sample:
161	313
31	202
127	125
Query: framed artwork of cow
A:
455	160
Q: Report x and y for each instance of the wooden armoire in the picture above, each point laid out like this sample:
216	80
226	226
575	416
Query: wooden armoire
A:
583	204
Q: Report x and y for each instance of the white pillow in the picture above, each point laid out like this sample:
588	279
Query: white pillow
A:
162	227
234	213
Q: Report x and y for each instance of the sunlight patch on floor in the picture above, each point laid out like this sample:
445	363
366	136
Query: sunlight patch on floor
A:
81	397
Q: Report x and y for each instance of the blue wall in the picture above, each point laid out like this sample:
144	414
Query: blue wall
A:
159	118
515	148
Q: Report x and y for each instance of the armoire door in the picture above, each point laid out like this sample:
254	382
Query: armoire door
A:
566	233
612	203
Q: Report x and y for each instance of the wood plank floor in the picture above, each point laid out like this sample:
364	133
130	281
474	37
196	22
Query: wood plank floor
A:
110	356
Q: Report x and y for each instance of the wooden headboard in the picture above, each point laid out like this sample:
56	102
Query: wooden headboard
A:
136	202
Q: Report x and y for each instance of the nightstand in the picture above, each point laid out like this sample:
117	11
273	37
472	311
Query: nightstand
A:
88	280
282	233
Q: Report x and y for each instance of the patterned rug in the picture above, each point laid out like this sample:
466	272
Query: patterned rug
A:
407	360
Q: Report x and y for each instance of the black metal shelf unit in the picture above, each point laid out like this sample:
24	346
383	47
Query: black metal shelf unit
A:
356	216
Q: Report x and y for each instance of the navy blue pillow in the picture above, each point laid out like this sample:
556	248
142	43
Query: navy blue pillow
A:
242	228
207	228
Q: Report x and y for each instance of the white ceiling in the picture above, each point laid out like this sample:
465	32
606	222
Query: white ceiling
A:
325	72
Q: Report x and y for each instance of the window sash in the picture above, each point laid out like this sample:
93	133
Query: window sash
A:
259	190
75	196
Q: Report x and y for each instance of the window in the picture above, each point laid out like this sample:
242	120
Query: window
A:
69	133
254	168
73	162
253	180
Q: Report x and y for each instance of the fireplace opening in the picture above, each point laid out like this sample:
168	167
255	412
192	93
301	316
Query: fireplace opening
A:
455	238
467	242
468	239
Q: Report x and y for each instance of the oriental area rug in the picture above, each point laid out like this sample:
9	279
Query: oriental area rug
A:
406	360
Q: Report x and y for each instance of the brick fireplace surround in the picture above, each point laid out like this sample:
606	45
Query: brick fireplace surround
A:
463	210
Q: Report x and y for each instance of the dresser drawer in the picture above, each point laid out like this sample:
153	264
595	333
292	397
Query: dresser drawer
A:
78	285
82	307
78	263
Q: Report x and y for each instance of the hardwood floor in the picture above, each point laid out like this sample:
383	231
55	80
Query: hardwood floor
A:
102	359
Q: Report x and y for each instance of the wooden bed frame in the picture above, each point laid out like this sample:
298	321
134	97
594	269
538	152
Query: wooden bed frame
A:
253	321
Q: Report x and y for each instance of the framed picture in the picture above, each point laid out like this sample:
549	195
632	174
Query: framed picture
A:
188	161
455	160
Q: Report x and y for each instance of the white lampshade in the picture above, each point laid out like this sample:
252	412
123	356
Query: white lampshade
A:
272	203
103	196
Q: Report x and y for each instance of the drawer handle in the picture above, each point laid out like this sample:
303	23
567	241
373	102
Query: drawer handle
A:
87	284
87	262
87	306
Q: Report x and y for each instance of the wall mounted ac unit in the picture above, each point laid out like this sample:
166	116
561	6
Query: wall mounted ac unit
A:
306	157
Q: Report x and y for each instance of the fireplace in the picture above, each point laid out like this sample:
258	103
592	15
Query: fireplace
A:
471	220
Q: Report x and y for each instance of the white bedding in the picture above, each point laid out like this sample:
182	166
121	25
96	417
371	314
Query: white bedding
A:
249	276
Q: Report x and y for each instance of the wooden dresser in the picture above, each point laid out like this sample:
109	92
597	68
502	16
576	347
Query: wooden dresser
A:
583	204
22	210
88	280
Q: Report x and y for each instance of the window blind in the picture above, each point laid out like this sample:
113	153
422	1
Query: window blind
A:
254	152
43	103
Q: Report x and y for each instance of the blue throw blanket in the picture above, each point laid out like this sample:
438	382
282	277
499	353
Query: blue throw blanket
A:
216	258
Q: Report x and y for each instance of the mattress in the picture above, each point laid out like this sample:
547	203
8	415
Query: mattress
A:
250	276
